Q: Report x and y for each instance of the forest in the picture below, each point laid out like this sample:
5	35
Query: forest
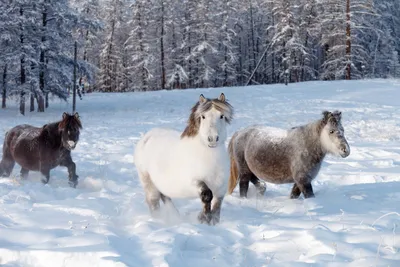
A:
144	45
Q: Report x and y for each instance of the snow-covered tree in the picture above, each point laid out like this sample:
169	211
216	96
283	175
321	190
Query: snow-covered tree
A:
112	72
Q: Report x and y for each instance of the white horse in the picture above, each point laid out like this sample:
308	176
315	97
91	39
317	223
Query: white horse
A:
191	164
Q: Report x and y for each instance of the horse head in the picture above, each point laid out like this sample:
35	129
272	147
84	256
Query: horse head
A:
332	135
69	128
209	119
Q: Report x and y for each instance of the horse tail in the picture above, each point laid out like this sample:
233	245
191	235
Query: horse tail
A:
6	162
233	177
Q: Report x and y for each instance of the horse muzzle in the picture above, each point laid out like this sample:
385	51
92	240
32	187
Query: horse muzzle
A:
345	151
71	145
213	141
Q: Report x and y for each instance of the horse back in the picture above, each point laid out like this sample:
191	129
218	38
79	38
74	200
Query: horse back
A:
23	145
268	155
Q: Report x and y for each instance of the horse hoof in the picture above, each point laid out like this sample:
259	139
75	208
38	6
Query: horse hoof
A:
294	196
261	190
204	218
214	220
73	183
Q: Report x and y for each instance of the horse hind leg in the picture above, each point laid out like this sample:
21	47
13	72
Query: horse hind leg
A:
24	173
261	188
245	179
171	213
46	175
153	196
168	202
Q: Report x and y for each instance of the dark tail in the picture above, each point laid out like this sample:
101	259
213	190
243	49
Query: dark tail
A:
233	177
7	162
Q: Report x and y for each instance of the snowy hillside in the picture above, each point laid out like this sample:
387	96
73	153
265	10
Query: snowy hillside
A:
105	220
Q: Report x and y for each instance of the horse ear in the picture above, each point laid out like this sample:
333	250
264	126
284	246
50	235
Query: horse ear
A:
65	115
76	115
221	97
326	115
202	99
337	114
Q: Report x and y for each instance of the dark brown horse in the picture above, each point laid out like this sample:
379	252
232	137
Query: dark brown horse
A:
42	149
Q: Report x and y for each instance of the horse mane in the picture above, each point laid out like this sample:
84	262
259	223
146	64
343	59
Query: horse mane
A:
193	123
333	118
70	121
50	131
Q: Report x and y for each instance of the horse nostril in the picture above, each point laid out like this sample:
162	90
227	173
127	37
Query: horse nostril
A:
210	139
216	139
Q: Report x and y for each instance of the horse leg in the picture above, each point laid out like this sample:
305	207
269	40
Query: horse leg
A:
24	173
257	183
302	180
206	197
305	188
244	180
46	173
172	211
72	177
168	202
295	192
216	209
153	196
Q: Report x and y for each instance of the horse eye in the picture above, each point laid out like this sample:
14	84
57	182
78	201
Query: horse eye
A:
331	131
203	117
222	116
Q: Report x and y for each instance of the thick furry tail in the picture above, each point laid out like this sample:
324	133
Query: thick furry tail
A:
233	177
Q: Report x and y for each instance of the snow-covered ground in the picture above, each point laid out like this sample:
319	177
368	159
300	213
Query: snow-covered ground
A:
105	221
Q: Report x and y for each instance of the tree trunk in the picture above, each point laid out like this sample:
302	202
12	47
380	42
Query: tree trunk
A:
241	80
109	66
47	100
253	49
141	49
186	32
22	71
348	41
85	58
163	81
4	93
32	104
42	62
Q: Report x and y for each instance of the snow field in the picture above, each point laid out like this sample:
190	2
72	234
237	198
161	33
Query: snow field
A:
353	221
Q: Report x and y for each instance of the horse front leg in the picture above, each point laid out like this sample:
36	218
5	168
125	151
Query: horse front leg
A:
72	176
206	197
216	210
295	192
304	186
307	190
